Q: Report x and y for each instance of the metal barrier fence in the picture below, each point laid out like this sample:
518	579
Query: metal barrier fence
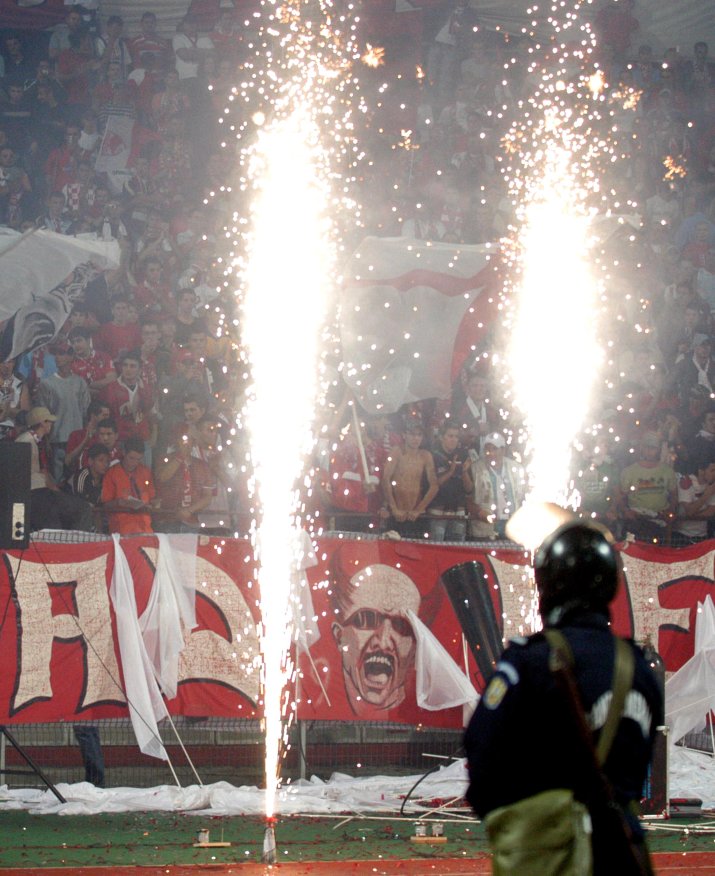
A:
225	749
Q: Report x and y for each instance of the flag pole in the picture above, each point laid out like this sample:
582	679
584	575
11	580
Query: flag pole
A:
361	445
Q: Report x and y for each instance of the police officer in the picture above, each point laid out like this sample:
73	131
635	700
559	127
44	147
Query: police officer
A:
522	739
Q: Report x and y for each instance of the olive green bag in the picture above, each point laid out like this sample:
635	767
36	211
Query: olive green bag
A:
543	835
549	834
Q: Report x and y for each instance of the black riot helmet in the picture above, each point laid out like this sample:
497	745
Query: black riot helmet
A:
577	566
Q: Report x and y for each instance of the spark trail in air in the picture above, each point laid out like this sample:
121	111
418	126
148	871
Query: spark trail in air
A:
552	156
296	175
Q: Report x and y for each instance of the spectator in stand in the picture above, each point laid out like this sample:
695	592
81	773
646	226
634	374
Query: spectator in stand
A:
67	397
87	482
14	398
696	502
705	280
476	416
120	335
128	492
186	488
49	507
694	214
154	293
696	369
186	319
140	193
596	477
150	361
677	343
227	35
60	39
616	25
449	505
352	489
170	102
649	492
174	159
701	242
113	48
44	75
154	242
19	65
495	487
219	514
409	483
80	441
702	446
169	351
645	73
76	67
79	192
190	49
211	370
108	436
93	366
129	401
700	72
61	165
15	187
149	42
48	116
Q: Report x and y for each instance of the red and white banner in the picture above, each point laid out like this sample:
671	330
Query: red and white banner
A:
411	313
61	658
116	148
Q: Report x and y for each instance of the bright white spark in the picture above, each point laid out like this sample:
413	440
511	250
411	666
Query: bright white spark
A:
289	266
555	357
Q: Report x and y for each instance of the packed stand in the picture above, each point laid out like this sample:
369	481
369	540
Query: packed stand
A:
131	410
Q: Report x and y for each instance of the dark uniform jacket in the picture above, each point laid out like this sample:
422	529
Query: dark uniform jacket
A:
521	739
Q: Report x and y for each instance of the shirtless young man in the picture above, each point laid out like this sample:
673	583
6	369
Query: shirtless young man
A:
402	483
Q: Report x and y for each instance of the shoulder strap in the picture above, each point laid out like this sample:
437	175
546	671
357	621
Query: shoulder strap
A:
561	659
623	668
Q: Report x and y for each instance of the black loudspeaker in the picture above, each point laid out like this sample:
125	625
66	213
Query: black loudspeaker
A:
15	462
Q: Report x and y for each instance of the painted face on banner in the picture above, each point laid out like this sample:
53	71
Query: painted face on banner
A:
375	636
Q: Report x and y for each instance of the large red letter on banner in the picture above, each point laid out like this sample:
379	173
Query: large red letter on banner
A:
86	618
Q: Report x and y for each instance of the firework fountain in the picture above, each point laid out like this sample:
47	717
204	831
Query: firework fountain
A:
300	77
553	154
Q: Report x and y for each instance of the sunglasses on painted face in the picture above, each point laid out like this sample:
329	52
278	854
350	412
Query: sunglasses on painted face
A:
369	619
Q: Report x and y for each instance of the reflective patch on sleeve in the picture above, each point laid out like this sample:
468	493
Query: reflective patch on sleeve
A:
508	670
495	692
519	640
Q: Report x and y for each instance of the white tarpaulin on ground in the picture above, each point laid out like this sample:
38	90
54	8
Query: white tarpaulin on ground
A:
37	261
691	774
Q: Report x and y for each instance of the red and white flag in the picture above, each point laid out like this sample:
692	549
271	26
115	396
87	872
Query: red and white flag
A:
116	145
411	313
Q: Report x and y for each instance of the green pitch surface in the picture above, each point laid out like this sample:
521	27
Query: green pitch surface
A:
160	839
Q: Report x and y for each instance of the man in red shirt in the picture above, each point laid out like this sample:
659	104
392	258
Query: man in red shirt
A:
93	365
82	439
186	487
149	42
128	492
129	401
75	66
120	335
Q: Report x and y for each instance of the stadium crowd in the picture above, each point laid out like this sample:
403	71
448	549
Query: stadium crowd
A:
130	411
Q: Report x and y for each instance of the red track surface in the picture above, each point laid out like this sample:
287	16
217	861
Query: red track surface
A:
666	864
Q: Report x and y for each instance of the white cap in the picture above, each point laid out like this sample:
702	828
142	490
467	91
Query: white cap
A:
496	439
